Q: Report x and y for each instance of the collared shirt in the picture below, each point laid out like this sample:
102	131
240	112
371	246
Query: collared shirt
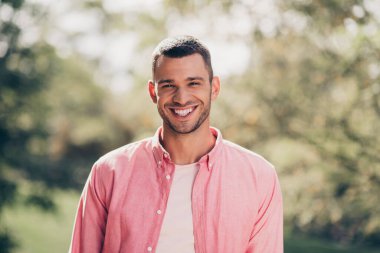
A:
236	201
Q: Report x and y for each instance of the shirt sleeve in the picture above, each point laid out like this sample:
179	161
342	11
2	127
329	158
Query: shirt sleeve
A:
267	235
90	222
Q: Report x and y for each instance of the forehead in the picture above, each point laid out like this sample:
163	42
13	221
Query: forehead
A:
187	65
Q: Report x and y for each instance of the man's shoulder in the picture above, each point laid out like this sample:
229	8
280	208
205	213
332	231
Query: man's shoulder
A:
126	152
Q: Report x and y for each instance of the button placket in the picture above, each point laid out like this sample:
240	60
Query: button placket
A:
168	168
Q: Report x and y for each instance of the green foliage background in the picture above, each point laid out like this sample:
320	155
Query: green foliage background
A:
307	99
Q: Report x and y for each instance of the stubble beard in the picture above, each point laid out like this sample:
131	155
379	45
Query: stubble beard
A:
185	127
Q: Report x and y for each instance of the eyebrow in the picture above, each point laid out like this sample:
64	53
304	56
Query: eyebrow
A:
165	81
195	78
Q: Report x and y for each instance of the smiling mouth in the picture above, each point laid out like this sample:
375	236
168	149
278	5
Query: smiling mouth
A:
183	112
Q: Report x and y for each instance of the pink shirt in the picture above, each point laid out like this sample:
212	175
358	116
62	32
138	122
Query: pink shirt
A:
236	201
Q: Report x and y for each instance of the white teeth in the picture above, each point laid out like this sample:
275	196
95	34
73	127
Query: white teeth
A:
183	113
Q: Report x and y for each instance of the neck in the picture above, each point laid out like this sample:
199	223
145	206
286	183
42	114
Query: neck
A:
188	148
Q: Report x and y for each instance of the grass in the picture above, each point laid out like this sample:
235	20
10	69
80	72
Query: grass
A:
37	231
43	232
308	245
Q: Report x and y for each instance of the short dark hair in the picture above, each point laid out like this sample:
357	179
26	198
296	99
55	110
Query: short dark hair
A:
181	46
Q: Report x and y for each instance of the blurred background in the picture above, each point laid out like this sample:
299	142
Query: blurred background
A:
300	85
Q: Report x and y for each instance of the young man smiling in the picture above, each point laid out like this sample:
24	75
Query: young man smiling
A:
185	189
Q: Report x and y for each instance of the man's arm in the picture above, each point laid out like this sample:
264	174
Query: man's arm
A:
267	235
91	217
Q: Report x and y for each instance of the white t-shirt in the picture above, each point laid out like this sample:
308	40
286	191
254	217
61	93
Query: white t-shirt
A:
177	229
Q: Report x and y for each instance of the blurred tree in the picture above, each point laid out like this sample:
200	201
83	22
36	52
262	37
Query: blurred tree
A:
81	124
22	111
53	123
327	97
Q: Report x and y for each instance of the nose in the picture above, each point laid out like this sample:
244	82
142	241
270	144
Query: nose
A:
181	96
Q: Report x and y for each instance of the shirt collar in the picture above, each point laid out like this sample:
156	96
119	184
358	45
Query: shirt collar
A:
210	158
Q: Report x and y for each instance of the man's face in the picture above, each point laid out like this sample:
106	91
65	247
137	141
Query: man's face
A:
183	93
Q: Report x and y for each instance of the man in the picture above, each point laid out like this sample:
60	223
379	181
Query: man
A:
185	189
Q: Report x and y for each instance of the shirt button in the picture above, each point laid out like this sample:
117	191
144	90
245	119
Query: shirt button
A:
168	177
166	155
159	211
149	249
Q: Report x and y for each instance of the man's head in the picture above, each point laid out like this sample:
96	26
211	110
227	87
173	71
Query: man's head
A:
183	84
181	46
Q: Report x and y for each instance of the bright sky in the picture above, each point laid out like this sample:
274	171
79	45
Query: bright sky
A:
116	49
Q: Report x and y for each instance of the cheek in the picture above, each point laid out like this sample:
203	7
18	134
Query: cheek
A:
202	93
208	95
160	103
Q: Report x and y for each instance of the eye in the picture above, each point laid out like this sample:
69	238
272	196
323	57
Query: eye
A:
165	86
194	83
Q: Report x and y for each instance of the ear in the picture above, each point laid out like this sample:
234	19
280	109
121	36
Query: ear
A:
215	87
152	91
